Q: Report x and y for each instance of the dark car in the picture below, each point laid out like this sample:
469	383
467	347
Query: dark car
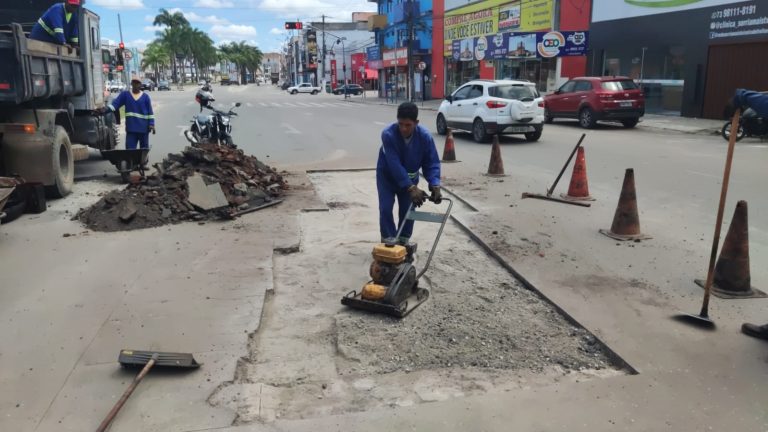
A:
147	84
163	85
285	85
352	89
591	99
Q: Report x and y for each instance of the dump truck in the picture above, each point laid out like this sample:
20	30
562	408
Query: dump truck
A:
48	94
275	76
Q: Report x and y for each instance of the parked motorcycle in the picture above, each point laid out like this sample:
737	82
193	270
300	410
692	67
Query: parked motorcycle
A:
750	125
215	127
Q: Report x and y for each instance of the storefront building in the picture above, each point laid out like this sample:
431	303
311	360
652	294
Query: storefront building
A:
511	39
403	52
689	59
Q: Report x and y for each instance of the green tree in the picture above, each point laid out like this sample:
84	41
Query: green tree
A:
155	56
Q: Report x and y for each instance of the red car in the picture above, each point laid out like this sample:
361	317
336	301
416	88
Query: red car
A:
590	99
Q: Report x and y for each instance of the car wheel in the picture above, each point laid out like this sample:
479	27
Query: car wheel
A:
314	92
630	123
478	131
294	92
442	126
548	118
533	136
587	118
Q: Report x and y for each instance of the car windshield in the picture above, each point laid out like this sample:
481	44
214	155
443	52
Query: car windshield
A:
619	85
519	92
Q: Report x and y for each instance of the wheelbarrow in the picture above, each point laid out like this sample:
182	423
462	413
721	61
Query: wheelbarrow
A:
5	194
127	161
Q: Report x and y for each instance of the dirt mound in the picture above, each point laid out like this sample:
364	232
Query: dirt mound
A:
204	182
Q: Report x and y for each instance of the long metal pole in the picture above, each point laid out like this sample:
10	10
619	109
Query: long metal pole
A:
120	26
323	52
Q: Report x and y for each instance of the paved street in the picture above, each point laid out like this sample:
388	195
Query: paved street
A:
256	299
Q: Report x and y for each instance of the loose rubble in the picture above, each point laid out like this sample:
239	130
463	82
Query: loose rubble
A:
201	183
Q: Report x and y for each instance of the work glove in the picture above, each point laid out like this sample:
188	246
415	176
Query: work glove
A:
417	195
152	129
437	196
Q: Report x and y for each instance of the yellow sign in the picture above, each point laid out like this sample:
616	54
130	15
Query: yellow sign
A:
496	16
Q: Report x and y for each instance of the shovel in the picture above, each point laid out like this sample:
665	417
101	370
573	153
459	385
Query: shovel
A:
147	359
702	319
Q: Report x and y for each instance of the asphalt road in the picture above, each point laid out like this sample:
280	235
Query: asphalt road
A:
678	172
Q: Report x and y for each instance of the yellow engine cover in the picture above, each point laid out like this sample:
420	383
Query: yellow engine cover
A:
393	255
373	292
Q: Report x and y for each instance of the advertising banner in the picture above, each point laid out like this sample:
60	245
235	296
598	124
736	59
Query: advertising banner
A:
334	78
607	10
373	53
312	50
395	57
495	16
521	45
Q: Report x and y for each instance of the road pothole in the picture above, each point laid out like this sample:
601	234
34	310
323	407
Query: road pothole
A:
481	331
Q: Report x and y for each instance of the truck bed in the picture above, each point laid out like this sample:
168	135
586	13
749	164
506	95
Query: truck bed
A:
32	70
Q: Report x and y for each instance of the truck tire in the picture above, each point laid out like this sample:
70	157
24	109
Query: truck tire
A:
62	165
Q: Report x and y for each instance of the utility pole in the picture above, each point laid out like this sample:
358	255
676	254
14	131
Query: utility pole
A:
323	52
120	26
410	12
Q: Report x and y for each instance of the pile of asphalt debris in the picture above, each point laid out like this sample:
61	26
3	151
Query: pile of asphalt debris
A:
204	182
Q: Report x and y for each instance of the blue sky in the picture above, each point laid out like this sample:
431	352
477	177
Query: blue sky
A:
260	22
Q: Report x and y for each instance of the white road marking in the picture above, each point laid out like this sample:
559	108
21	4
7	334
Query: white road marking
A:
315	104
760	146
288	104
263	104
379	123
249	105
290	129
276	104
704	174
304	105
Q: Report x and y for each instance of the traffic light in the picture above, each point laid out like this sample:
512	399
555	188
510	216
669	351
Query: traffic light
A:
119	57
293	25
121	45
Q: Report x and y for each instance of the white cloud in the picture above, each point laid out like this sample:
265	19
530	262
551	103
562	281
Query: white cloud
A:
276	31
120	4
153	29
214	4
211	19
149	18
138	43
334	10
234	31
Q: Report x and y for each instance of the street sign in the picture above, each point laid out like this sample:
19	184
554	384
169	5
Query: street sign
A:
127	55
422	65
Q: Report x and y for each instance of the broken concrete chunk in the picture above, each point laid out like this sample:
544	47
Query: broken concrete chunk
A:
127	211
205	197
240	188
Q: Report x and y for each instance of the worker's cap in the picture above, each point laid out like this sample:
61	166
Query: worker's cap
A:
74	2
135	80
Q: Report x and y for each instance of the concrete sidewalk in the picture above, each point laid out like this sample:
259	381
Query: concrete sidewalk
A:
653	121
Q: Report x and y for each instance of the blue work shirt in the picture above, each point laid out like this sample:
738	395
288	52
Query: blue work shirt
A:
138	112
400	162
56	26
752	99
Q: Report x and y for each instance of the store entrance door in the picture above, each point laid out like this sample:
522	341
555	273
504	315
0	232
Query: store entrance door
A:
730	67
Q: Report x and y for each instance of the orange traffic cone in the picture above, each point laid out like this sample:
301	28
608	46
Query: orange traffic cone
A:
626	222
732	278
579	188
496	166
449	151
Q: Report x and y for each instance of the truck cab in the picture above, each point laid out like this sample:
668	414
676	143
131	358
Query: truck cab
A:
48	94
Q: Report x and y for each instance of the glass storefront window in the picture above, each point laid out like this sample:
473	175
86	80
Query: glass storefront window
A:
457	73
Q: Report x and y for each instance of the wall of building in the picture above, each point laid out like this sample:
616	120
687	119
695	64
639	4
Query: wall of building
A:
669	52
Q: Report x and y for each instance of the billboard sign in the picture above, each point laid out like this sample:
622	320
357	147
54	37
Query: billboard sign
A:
608	10
491	17
521	46
312	49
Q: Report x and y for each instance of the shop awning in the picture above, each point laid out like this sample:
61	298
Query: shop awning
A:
371	74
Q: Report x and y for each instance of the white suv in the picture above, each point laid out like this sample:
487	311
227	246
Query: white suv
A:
488	107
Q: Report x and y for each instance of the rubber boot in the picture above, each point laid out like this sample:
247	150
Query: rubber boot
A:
754	330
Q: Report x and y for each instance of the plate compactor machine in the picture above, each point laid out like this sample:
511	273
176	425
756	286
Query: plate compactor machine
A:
394	285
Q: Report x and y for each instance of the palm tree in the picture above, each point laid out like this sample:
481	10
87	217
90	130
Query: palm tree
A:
244	56
172	35
155	56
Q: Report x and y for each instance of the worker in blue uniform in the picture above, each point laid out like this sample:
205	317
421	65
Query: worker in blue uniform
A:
758	102
59	24
406	147
139	117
